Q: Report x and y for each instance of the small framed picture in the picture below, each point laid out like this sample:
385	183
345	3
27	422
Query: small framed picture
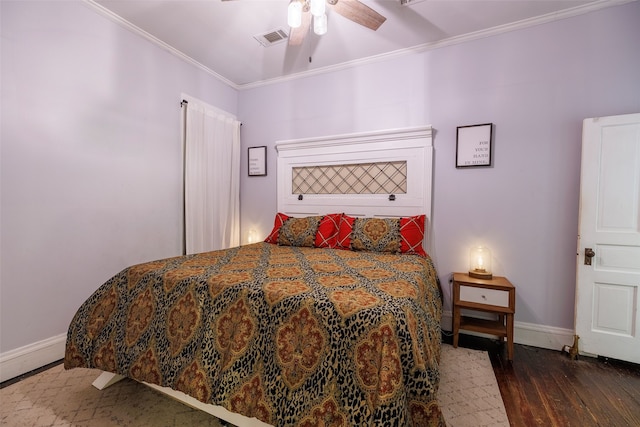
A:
258	161
473	145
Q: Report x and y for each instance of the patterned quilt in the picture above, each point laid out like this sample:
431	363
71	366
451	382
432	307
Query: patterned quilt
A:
293	336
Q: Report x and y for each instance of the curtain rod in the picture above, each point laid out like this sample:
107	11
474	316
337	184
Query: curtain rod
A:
184	101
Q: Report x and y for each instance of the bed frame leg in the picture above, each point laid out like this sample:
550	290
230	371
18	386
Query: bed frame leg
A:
107	379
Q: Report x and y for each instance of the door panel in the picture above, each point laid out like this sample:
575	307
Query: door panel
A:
619	321
619	171
618	258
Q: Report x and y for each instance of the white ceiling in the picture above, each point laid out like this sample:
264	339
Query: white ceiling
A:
219	35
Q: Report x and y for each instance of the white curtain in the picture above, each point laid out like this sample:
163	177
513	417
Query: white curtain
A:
211	179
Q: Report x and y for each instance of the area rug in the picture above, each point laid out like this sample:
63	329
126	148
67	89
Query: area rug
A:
469	396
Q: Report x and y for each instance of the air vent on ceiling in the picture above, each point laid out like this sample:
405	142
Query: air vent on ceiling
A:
272	37
409	2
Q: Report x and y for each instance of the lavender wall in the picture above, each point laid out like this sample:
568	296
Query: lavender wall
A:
90	151
90	159
536	85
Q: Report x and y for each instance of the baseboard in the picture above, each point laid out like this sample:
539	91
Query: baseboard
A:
16	362
33	356
542	336
549	337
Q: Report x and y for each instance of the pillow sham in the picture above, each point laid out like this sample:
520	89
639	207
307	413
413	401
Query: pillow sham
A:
327	234
299	231
376	235
277	223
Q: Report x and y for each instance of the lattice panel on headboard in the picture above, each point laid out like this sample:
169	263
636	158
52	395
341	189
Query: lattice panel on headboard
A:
361	178
329	174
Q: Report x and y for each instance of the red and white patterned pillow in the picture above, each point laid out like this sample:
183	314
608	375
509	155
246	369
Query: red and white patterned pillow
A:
277	223
327	234
344	232
412	235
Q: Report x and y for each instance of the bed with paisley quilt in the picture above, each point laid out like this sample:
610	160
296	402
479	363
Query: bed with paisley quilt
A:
290	335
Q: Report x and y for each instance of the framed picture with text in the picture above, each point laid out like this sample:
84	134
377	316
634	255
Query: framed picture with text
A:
473	145
258	161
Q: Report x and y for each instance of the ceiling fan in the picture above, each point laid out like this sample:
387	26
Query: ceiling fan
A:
351	9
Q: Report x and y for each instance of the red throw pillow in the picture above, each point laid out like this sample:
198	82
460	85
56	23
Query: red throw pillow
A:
327	234
277	223
344	232
412	234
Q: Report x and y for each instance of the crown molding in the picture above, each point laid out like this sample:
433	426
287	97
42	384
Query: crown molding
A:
525	23
422	133
518	25
139	31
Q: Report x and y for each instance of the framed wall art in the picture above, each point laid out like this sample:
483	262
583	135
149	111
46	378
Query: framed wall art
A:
258	161
473	145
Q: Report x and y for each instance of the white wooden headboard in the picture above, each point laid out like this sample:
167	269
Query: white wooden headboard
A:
411	148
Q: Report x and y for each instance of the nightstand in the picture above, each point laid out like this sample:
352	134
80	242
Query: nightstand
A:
497	296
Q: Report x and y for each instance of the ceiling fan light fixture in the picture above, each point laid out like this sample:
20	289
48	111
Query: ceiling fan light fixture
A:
320	24
353	10
294	14
318	7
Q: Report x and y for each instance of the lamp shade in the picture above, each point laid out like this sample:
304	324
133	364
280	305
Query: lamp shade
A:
318	7
480	262
294	14
320	24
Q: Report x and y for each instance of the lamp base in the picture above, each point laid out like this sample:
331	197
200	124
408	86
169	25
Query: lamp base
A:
480	274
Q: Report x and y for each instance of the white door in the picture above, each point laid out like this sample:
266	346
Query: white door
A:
607	289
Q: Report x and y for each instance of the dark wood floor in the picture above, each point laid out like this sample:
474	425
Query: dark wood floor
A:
546	388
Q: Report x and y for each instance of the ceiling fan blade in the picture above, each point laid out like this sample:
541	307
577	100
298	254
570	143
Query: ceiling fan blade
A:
357	12
297	35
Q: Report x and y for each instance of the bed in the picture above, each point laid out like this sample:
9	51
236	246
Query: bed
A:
333	320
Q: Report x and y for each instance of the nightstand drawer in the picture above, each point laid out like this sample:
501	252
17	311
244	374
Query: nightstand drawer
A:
484	296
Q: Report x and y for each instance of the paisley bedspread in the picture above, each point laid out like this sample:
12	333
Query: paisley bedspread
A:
293	336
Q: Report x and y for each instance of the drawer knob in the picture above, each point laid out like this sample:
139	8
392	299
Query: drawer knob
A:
484	297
